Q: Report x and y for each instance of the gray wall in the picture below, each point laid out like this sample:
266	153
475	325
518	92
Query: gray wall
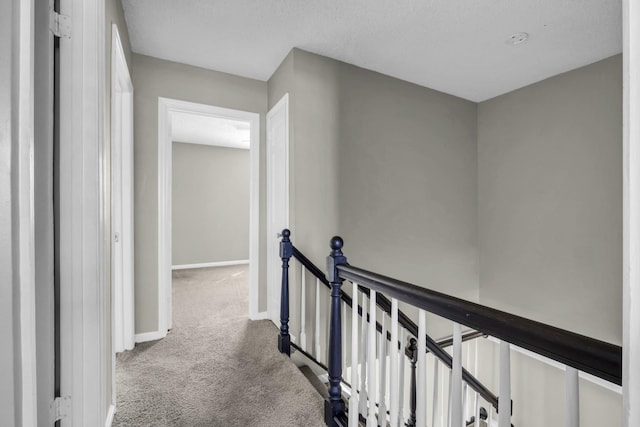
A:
407	193
388	165
210	197
314	153
550	201
281	82
153	78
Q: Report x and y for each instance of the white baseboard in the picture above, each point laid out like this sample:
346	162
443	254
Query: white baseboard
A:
110	415
150	336
209	264
260	316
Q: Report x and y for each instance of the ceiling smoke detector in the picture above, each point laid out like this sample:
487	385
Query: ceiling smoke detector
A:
517	38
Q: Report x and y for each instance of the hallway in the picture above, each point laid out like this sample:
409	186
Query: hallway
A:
215	367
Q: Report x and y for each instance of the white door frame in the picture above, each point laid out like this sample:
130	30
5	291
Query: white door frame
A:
276	198
631	213
85	347
16	128
167	107
122	239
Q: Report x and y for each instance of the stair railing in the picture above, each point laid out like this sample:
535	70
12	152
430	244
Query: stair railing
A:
408	328
576	352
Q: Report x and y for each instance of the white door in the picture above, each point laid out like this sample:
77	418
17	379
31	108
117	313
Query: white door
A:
122	197
277	199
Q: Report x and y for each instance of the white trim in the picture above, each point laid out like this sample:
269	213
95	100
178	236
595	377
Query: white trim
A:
84	347
211	144
150	336
166	107
585	376
110	415
263	315
123	310
254	218
273	304
24	167
631	214
209	264
164	215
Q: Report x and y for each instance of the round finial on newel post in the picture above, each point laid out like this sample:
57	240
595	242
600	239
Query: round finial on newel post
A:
336	245
285	234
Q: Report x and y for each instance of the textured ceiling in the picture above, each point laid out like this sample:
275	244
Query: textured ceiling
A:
455	46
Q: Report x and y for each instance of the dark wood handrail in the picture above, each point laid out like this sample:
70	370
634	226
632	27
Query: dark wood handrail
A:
586	354
385	304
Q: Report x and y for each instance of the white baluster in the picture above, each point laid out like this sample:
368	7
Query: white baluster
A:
382	408
456	378
364	357
401	379
317	347
475	373
465	409
371	374
293	297
477	409
303	310
436	380
421	371
468	411
443	401
353	399
343	327
572	392
504	403
449	400
394	392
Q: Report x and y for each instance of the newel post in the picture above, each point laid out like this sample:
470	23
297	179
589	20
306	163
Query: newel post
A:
333	405
286	251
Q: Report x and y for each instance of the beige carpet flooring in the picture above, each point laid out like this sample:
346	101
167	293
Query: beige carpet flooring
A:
215	367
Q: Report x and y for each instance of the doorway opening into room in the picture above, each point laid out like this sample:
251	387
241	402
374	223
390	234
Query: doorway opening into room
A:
210	212
208	195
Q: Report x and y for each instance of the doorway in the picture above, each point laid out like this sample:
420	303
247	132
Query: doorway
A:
170	112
